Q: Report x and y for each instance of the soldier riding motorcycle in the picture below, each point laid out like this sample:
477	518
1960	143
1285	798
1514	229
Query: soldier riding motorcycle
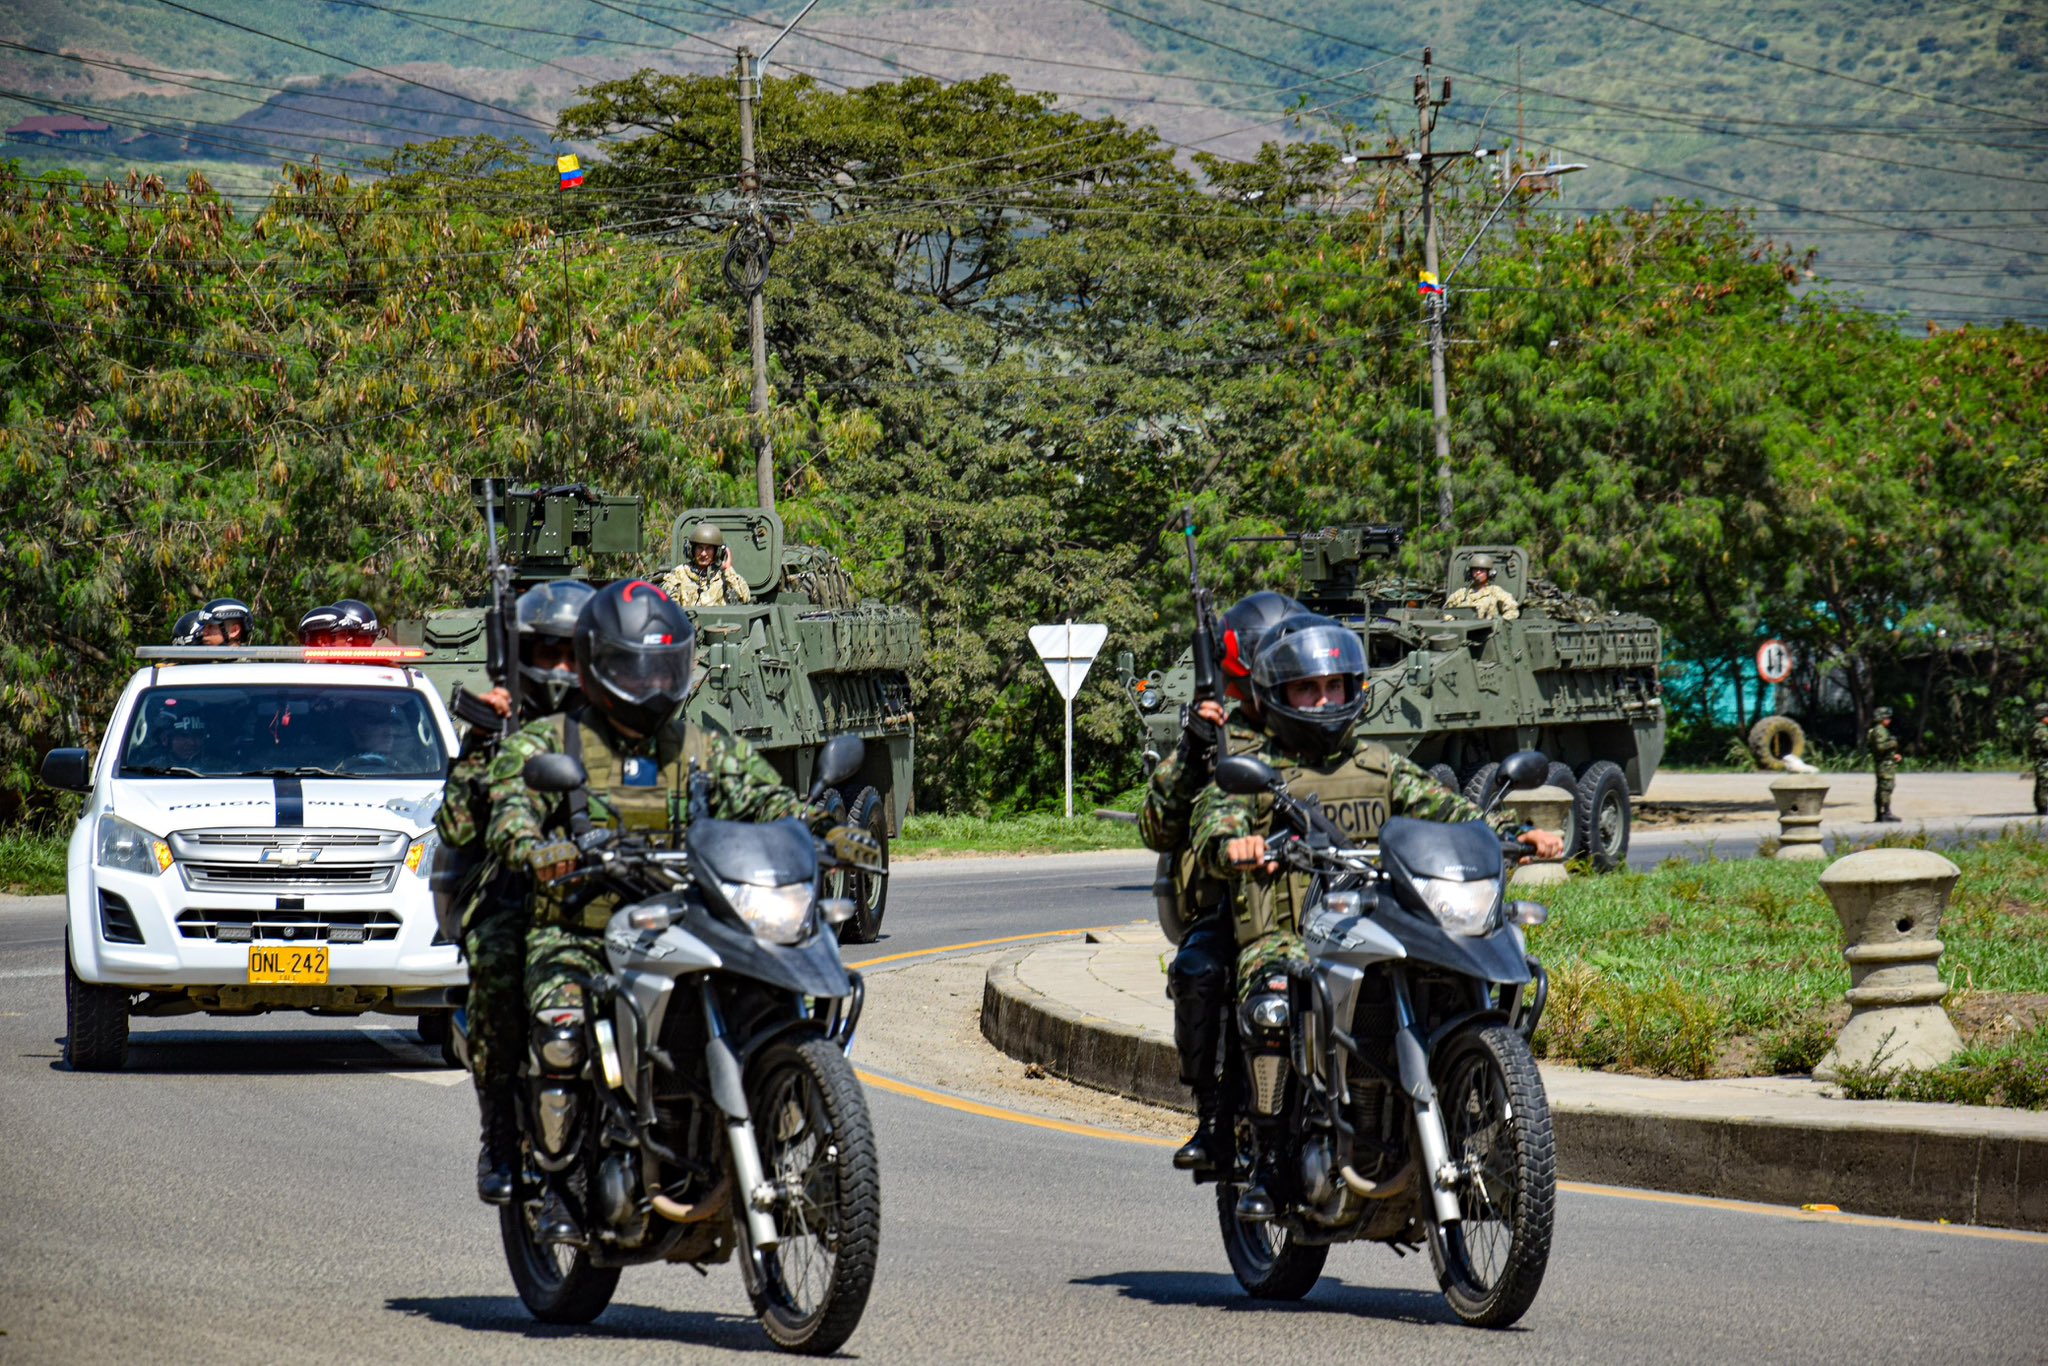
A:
685	1095
1386	1090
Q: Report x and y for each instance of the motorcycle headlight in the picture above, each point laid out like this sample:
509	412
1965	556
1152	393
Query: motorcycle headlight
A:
131	849
1461	907
776	914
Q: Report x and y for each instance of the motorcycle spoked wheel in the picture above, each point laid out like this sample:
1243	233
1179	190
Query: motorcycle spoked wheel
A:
556	1283
1497	1120
818	1150
1267	1262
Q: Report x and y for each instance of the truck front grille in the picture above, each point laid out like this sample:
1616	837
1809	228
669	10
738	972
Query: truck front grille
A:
262	877
332	927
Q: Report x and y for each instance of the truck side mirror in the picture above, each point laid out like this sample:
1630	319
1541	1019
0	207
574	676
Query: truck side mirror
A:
68	770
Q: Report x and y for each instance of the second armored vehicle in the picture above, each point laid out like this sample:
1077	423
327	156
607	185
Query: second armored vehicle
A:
1457	693
802	662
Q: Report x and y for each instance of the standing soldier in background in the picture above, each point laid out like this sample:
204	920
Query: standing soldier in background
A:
1483	595
706	578
1199	979
494	913
2037	754
1884	760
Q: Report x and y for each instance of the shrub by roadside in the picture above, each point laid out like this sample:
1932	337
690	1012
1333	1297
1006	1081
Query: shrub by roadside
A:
31	864
1735	969
933	836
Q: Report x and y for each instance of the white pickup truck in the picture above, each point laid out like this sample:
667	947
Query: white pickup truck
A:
256	836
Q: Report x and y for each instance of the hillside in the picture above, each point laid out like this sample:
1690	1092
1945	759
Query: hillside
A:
1902	143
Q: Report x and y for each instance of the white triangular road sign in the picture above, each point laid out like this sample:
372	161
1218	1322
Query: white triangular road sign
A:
1068	649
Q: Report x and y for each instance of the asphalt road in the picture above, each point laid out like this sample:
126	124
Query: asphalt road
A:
291	1189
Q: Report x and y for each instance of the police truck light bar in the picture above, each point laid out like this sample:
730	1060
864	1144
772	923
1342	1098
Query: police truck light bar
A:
279	654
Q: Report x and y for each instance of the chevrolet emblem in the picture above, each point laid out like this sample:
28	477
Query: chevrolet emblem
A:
290	856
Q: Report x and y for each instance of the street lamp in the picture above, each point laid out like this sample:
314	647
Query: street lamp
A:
1550	172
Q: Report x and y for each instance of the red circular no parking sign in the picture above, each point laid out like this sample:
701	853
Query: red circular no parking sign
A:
1774	661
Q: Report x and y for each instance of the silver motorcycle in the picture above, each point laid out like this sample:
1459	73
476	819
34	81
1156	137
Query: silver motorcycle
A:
1388	1093
702	1108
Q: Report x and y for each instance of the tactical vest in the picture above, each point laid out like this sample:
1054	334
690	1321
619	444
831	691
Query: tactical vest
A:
641	794
1355	789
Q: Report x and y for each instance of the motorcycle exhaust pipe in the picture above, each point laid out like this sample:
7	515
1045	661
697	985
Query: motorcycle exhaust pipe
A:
710	1204
1397	1184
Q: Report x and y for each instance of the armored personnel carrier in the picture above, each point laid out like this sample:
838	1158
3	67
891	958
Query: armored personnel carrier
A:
1457	694
804	661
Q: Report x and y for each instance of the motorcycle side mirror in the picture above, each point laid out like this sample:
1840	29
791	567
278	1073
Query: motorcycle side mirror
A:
554	773
1525	768
839	760
1241	775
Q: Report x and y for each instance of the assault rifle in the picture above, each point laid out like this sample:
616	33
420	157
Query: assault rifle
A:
501	635
1208	678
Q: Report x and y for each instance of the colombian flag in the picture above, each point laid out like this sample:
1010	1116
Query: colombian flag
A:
1425	285
572	172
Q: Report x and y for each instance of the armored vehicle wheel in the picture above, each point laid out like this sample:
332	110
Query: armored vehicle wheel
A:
95	1024
870	895
1600	809
1481	779
1445	774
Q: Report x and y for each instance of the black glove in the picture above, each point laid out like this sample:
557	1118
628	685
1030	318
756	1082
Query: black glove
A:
1196	753
854	847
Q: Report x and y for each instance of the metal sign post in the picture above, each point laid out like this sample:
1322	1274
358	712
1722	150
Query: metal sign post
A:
1068	649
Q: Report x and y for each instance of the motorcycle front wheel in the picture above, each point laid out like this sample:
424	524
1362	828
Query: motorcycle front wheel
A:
1497	1120
818	1151
1267	1262
556	1282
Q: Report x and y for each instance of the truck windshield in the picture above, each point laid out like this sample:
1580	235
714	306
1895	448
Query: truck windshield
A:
282	731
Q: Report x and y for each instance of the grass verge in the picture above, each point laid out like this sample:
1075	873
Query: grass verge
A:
932	836
1735	969
31	864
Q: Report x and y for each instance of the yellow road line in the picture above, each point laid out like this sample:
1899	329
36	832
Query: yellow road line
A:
972	1107
2003	1235
979	944
975	1107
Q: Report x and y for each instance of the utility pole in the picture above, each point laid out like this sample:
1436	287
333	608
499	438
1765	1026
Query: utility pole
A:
1432	292
757	327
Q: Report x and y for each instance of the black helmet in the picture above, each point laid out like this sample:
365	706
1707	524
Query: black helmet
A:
1309	646
549	611
185	631
233	616
634	652
1244	629
348	622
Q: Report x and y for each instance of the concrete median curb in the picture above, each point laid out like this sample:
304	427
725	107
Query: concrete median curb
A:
1072	1011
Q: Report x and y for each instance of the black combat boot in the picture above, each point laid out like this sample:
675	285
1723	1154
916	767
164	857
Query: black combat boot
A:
1208	1148
558	1222
1887	817
495	1155
1254	1206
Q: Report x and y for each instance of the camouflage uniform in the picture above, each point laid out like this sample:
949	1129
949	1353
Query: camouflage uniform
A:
1489	602
2037	754
1361	785
494	919
1198	981
1884	760
636	785
720	586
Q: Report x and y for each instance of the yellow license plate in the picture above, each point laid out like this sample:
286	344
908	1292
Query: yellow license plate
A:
294	965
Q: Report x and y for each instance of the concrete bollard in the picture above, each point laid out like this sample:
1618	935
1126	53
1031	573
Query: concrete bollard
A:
1799	797
1546	808
1890	903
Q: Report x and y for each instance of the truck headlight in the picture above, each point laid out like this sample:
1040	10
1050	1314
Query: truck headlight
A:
776	914
1461	907
420	857
131	849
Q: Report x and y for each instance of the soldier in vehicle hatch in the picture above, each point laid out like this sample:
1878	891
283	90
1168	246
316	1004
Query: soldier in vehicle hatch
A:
1483	595
1309	683
1884	761
706	578
1199	979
